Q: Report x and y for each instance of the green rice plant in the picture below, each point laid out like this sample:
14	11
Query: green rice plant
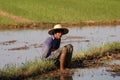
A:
30	68
6	20
37	66
63	10
78	56
94	51
102	50
115	46
9	71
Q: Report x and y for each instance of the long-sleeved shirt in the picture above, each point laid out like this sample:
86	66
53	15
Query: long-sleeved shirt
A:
50	45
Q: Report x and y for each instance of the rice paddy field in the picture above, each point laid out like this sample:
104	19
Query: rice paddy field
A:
58	11
20	55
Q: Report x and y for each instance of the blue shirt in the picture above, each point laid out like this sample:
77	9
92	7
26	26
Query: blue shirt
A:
49	45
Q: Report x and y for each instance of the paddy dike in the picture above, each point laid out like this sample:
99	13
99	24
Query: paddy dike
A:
91	65
48	25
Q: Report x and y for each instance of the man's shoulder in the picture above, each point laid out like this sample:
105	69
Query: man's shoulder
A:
49	39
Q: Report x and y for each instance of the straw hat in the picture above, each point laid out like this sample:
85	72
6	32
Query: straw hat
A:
58	27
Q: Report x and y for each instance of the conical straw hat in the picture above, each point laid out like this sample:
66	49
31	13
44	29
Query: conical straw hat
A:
58	27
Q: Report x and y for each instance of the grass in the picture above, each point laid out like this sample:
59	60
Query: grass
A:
28	69
94	52
63	10
38	66
7	20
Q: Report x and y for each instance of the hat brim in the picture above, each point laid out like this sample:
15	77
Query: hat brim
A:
64	31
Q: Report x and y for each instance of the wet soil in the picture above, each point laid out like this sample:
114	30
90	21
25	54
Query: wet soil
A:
8	42
66	24
89	63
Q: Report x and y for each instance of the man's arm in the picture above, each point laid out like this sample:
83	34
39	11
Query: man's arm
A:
46	49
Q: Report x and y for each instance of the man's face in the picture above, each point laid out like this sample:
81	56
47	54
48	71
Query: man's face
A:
58	35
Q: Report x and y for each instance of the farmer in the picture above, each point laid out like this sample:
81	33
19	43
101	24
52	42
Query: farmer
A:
51	48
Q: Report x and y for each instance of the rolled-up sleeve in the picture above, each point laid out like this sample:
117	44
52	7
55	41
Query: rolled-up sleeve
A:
46	47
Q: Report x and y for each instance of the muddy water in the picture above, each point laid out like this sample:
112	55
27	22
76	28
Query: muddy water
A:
82	74
96	73
19	46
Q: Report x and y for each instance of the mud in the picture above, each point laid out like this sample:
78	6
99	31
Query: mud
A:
95	60
8	42
66	24
36	45
114	68
25	47
78	66
19	48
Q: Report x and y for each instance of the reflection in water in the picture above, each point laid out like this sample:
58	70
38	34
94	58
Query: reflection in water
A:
56	75
61	77
64	77
100	73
